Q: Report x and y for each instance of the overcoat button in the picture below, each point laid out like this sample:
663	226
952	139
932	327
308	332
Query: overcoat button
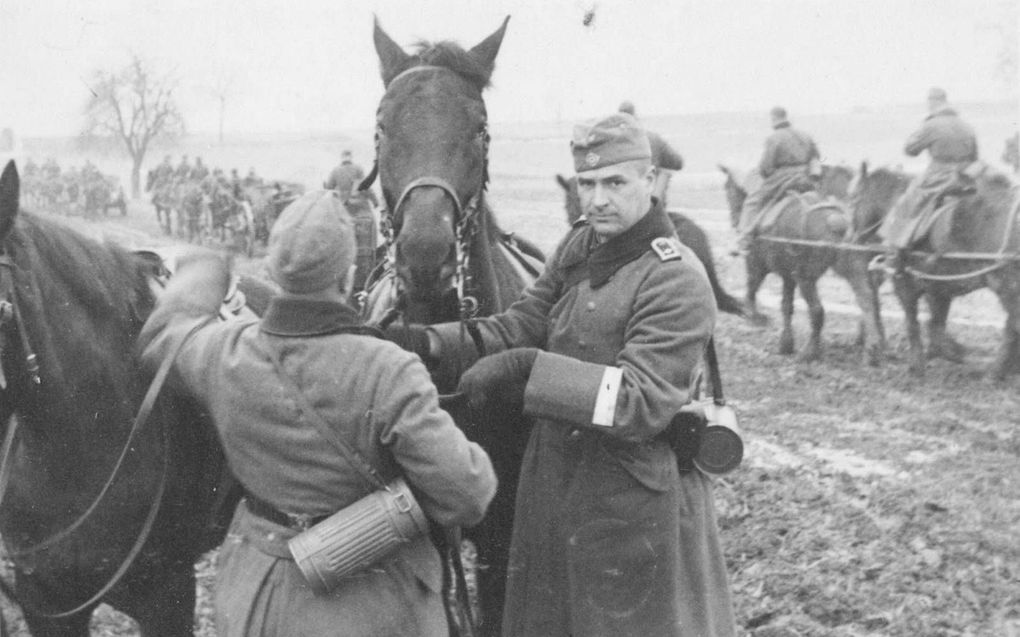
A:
591	306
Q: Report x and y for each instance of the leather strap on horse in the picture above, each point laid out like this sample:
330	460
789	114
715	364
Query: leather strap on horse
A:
144	411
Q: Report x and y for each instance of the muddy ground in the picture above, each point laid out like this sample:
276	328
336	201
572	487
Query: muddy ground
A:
870	502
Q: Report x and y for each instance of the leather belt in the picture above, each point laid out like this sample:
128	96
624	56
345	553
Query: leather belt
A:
295	521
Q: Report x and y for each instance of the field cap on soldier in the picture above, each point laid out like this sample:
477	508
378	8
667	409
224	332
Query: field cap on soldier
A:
610	140
311	245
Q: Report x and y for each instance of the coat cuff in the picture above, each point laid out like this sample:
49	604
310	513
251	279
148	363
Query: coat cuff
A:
566	389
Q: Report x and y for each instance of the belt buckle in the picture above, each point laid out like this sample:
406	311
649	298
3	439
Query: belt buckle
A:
300	521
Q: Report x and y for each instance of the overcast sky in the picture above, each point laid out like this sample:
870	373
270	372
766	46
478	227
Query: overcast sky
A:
310	64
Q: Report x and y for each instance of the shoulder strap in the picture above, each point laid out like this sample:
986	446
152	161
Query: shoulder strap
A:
350	454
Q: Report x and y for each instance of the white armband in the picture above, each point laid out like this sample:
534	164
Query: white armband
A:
605	402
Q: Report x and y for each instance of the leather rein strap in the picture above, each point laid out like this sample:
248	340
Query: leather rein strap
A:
144	411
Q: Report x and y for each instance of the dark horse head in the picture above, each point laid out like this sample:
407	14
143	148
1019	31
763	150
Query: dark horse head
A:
70	311
432	143
873	195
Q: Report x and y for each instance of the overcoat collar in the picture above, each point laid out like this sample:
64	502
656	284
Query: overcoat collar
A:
304	317
600	261
944	111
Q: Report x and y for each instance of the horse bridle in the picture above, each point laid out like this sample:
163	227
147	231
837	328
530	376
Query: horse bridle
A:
465	220
10	315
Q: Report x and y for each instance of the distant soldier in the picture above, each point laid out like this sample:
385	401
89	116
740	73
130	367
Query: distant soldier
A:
952	146
1011	152
251	179
183	171
30	168
235	184
164	172
345	177
664	158
199	171
790	160
360	205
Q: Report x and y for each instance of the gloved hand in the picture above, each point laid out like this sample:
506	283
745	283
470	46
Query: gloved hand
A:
498	381
412	337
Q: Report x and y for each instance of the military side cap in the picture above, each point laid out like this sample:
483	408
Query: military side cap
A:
311	245
611	140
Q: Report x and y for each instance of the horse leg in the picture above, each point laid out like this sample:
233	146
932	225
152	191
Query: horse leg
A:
1007	288
786	337
871	334
813	348
909	296
756	273
940	344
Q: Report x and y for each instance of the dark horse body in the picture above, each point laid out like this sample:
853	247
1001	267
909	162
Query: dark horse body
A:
447	255
689	233
81	306
816	216
982	221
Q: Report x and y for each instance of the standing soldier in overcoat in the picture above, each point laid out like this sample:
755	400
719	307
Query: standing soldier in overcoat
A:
375	396
610	537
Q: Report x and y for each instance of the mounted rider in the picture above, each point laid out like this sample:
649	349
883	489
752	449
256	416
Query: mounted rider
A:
790	162
952	145
344	179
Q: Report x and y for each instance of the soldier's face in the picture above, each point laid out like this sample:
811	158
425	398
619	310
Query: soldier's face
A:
616	197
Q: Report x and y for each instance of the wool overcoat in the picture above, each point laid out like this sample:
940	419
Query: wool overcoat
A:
376	396
609	538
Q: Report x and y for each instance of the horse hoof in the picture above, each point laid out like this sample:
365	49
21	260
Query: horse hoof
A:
758	319
786	346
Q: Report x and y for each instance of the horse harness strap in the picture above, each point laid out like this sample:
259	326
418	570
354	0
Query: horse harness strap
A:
142	416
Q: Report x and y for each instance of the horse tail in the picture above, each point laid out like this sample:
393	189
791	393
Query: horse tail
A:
692	236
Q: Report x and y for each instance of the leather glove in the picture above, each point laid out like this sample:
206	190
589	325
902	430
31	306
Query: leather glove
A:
411	337
498	381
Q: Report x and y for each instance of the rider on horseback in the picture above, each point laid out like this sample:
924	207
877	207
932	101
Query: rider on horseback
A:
790	161
952	145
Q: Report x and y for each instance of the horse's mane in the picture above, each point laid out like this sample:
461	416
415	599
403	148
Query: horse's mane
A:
103	276
450	55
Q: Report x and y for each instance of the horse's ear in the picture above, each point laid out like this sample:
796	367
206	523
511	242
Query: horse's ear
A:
562	181
864	168
392	59
486	50
10	187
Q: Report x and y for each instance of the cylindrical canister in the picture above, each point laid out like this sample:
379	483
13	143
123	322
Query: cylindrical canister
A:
722	447
358	536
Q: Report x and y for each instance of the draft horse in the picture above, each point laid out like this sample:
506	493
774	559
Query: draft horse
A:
447	257
804	225
92	510
973	242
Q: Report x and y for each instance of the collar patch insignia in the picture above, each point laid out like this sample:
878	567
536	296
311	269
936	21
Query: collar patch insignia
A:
666	248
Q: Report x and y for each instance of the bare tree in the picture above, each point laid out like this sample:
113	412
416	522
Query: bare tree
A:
134	106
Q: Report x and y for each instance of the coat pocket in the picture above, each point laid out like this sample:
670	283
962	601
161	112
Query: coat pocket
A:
651	463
